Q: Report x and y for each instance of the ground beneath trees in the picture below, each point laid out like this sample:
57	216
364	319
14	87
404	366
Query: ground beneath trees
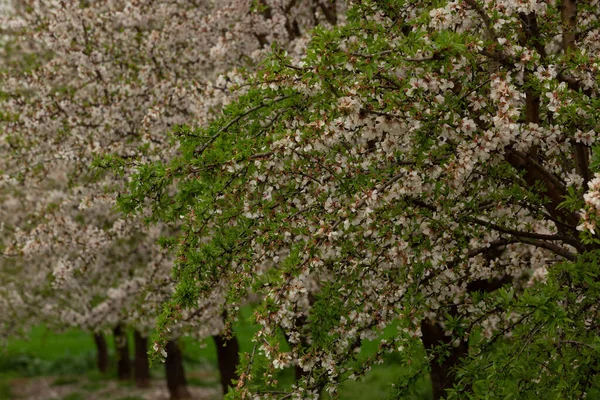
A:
82	388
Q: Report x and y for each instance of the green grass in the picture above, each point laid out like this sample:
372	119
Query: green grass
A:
51	346
93	386
205	352
5	379
71	354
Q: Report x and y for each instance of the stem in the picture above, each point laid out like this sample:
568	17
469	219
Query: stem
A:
101	352
176	382
142	366
122	349
228	350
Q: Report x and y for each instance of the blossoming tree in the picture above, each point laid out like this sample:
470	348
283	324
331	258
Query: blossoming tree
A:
425	165
105	77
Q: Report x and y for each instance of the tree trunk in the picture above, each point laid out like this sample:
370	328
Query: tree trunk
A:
122	350
101	352
442	368
228	355
175	373
141	366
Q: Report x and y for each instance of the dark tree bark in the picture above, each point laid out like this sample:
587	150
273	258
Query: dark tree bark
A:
141	365
442	368
329	11
122	350
101	352
176	381
299	373
228	351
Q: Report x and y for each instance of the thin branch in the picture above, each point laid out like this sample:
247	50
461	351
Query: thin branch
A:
367	55
199	152
521	234
486	19
434	56
261	155
556	249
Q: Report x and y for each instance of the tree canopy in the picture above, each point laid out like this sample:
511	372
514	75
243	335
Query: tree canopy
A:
427	165
427	168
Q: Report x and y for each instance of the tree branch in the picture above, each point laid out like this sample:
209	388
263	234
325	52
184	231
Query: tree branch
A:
556	249
486	19
535	173
521	234
201	150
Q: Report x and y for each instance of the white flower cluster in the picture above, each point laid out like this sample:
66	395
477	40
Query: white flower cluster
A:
591	213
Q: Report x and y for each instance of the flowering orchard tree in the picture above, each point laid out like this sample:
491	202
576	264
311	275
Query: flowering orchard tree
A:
116	73
103	78
90	78
426	165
